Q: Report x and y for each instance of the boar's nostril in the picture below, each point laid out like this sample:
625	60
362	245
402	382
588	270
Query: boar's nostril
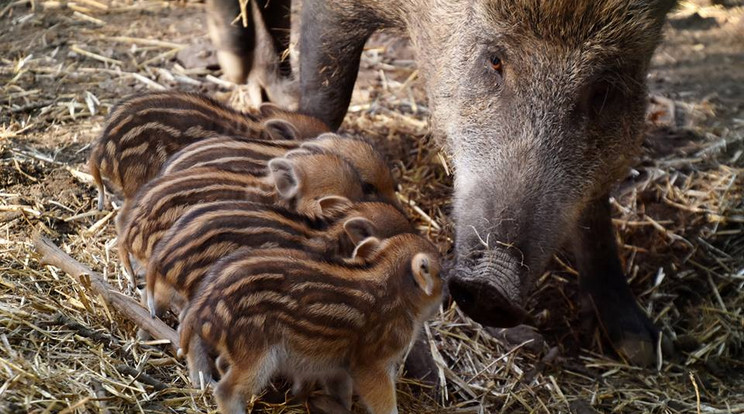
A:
484	303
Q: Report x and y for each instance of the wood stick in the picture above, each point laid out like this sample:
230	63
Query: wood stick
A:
53	255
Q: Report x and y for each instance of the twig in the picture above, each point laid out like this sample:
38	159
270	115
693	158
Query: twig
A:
31	106
141	377
697	392
100	396
95	56
53	255
82	330
79	14
418	210
147	42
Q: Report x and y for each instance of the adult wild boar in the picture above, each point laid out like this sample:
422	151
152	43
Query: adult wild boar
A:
541	105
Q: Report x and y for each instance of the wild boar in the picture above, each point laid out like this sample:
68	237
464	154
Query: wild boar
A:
541	106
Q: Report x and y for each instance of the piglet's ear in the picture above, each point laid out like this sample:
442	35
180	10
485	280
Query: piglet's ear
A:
365	249
285	177
423	274
331	204
280	129
268	109
327	135
297	152
359	228
313	147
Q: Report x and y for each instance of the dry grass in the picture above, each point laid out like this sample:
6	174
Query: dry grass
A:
680	219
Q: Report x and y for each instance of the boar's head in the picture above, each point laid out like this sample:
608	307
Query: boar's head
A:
541	105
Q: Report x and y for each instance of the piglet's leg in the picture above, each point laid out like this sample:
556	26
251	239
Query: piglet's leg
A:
420	365
341	388
200	366
324	404
376	388
246	377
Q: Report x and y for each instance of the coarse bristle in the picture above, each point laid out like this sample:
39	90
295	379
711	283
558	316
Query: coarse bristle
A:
679	218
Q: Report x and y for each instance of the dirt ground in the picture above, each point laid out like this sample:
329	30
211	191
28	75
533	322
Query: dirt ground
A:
679	215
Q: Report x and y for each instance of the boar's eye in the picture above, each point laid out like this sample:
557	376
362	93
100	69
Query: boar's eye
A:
496	64
601	96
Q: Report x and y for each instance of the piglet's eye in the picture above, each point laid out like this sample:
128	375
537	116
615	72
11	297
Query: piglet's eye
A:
368	188
496	64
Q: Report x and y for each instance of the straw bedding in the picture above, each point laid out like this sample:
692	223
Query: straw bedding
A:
679	216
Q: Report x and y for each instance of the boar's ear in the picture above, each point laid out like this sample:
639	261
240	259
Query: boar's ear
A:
423	273
359	228
366	248
281	129
285	177
268	109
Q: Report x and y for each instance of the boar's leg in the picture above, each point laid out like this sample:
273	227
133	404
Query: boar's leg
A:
234	43
629	330
276	18
331	44
271	76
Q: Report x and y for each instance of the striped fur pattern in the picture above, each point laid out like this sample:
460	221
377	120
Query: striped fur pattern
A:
279	311
142	131
210	232
377	180
251	156
297	184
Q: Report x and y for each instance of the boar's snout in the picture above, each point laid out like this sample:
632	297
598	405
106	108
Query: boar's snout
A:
487	287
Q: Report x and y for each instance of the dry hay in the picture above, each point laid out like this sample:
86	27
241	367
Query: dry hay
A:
680	218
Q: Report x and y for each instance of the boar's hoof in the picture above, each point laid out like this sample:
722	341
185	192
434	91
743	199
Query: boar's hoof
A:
235	68
633	336
641	350
522	335
637	351
485	304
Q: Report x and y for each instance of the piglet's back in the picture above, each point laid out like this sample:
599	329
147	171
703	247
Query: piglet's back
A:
286	295
234	152
160	203
142	131
319	306
209	232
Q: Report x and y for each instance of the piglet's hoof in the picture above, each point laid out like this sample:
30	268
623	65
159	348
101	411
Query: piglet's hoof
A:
420	366
324	404
143	335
